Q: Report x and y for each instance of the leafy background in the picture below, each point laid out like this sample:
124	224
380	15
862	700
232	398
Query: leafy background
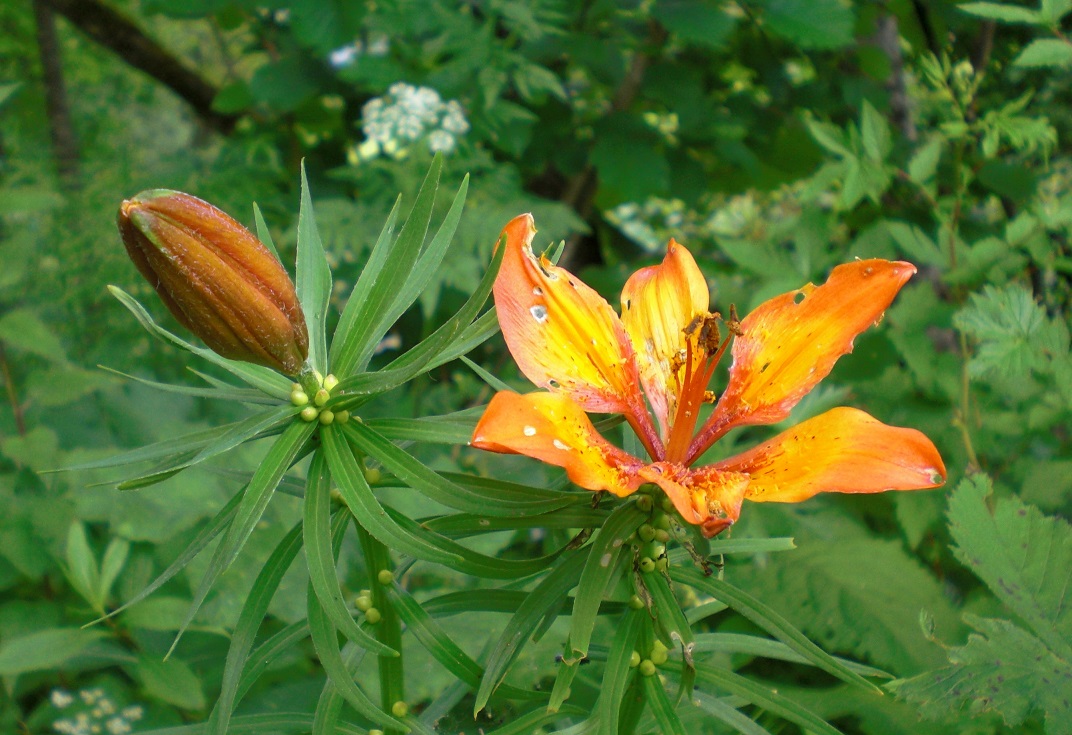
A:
776	138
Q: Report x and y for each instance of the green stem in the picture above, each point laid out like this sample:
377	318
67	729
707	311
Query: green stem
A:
389	628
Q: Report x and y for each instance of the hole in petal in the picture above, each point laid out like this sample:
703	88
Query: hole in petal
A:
798	297
539	313
529	431
560	445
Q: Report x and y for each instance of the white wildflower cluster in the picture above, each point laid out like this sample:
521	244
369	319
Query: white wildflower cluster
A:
93	713
405	116
748	216
377	45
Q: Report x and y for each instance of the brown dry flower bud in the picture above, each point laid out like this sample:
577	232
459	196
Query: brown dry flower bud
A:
218	280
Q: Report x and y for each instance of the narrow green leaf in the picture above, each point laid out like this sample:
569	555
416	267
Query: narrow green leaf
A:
423	430
721	710
273	722
448	653
358	496
764	697
266	653
671	620
468	524
751	545
211	530
616	673
313	279
228	393
420	358
254	500
424	269
563	681
1046	52
263	233
343	345
321	562
426	481
548	594
259	377
600	573
378	286
536	721
487	377
480	331
162	450
751	645
477	564
326	643
661	707
770	621
329	706
241	432
249	622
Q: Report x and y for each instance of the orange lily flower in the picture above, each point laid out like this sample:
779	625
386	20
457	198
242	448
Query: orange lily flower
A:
664	348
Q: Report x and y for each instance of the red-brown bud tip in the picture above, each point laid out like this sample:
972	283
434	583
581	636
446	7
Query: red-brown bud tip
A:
218	280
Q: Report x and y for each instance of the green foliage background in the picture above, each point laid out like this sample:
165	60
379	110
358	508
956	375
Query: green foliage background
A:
776	138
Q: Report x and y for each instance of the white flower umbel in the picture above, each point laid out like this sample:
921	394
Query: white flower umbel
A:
405	116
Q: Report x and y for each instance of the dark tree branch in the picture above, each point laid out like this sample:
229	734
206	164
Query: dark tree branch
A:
888	38
117	33
60	127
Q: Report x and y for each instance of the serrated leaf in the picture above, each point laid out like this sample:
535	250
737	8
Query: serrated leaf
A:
1003	669
1045	52
1024	557
915	243
874	133
1006	323
1002	13
923	165
816	24
313	279
25	331
170	681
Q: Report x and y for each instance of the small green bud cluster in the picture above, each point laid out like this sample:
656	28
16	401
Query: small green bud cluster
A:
657	656
649	541
363	603
314	408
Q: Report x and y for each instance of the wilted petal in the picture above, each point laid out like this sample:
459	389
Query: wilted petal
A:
563	335
552	428
708	497
791	342
659	303
841	451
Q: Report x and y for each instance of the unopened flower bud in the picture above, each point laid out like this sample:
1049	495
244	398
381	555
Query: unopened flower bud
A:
217	279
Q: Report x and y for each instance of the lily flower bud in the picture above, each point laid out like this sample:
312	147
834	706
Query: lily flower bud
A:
216	278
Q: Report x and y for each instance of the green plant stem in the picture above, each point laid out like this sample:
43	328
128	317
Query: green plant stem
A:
389	628
12	394
960	420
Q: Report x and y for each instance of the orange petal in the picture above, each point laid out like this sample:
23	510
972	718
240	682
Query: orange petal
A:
841	451
552	428
658	304
563	335
792	341
707	497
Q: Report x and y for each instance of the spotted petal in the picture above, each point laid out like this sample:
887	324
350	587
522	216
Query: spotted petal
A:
707	497
563	335
659	304
791	342
841	451
552	428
